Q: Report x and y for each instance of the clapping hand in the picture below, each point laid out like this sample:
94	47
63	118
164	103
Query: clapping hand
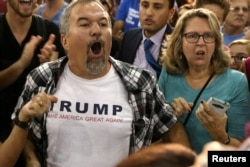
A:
48	52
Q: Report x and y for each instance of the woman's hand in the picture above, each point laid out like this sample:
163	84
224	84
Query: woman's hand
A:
38	105
181	106
214	123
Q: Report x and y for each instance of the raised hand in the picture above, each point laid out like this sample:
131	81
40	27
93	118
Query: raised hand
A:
48	52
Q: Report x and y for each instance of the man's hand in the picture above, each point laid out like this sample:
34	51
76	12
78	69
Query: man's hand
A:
48	52
28	51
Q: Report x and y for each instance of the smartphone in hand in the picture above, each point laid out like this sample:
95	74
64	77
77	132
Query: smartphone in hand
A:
219	106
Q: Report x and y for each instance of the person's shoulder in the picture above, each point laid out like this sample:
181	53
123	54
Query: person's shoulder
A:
234	75
39	9
131	70
233	72
133	32
46	27
50	67
56	64
171	78
49	24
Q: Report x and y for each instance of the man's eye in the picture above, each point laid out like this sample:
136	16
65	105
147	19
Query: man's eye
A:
144	5
84	25
103	24
158	7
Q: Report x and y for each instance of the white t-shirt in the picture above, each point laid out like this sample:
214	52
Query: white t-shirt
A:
90	125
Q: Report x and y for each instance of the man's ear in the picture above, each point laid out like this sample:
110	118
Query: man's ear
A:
171	13
64	42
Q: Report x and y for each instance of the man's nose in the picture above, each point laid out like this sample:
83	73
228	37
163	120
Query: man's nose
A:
95	29
149	11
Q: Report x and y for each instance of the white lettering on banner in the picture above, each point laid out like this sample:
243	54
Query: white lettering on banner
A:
132	13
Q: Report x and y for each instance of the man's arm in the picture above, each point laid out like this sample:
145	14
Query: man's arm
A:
176	134
13	145
48	53
10	74
30	155
118	30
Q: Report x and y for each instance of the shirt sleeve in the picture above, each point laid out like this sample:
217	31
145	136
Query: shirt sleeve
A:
122	10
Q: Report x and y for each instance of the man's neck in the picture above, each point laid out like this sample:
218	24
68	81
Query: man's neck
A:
18	23
231	30
55	5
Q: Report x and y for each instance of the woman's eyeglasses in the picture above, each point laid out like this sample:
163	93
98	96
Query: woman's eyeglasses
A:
238	58
193	37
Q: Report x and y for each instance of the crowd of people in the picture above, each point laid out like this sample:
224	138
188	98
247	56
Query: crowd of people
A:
122	82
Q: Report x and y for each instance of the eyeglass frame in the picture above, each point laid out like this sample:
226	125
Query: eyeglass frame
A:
238	9
195	33
239	56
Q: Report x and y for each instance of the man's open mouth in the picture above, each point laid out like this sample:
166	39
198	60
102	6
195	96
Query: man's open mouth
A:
96	47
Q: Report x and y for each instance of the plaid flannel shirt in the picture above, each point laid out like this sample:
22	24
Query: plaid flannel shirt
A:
151	112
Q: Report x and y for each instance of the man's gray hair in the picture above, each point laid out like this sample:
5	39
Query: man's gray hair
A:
65	18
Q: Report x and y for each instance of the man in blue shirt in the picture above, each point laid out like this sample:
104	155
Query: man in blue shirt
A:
127	17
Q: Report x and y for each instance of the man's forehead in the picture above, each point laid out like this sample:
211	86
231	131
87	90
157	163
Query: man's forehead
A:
90	16
88	11
238	1
89	6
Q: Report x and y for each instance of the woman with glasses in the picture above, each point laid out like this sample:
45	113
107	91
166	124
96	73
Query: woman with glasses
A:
240	57
239	50
196	67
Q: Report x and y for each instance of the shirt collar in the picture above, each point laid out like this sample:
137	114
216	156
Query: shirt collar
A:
156	38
